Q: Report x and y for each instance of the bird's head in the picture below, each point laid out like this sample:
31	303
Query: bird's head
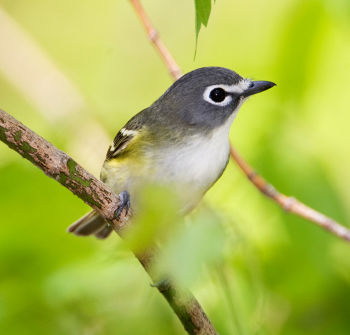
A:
208	96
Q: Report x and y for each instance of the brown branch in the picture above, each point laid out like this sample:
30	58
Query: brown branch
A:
153	35
289	204
59	166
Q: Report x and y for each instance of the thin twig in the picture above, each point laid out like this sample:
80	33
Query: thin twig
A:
153	35
289	204
59	166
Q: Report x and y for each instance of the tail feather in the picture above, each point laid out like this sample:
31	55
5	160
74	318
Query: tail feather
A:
90	224
104	232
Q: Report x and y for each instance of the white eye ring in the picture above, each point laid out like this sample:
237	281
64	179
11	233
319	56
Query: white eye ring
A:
236	89
209	89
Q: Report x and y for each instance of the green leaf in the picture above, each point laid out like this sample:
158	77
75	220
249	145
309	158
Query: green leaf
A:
203	8
190	247
155	217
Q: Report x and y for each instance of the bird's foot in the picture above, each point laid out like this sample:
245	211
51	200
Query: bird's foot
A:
124	204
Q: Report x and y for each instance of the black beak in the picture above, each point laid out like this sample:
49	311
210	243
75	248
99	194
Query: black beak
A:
257	87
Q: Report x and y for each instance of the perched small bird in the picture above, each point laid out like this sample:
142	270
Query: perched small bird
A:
181	140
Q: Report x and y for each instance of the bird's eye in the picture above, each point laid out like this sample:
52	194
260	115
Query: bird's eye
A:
217	94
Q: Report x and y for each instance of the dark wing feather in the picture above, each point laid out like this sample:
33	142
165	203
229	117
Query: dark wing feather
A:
127	133
120	142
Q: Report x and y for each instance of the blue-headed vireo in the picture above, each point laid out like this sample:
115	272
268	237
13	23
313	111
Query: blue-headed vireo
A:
181	140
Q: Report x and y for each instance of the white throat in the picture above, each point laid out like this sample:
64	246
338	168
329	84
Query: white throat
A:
200	160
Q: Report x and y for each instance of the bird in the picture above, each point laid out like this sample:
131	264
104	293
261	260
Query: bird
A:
181	140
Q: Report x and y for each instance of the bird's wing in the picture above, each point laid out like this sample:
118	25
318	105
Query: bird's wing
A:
127	135
121	141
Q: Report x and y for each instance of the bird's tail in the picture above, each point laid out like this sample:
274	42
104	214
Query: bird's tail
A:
90	224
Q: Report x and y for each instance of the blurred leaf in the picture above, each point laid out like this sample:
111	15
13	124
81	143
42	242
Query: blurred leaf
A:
155	217
183	257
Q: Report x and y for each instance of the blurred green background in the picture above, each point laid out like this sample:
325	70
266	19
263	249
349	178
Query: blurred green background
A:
74	71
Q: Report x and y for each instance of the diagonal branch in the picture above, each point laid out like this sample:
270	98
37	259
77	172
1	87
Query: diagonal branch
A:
289	204
152	33
59	166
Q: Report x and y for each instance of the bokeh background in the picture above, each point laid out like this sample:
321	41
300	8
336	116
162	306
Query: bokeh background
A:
76	71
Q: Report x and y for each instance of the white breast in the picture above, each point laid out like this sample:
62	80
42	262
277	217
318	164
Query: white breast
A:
198	162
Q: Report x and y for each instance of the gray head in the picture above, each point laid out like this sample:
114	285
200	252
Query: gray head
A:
205	98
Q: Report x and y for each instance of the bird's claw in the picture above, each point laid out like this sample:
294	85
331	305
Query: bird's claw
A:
124	204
